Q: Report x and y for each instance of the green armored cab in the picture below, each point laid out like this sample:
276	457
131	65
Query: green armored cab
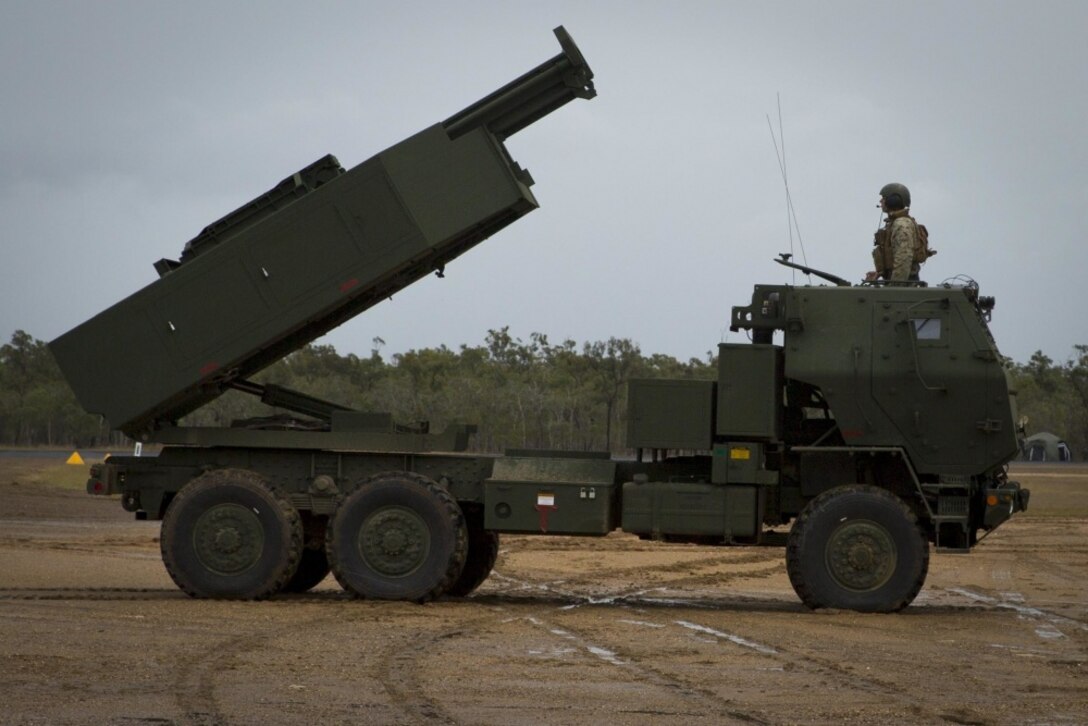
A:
881	423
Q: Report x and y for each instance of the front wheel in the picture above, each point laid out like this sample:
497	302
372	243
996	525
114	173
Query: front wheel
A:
399	536
857	547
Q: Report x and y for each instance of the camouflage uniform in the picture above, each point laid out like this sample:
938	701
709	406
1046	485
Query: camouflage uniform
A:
894	256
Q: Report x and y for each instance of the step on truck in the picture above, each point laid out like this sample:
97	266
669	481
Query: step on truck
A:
880	424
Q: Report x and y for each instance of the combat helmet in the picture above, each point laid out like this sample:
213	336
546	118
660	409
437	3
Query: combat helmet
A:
896	196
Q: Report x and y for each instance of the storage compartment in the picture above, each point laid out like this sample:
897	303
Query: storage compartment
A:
271	281
749	391
740	462
553	495
670	414
662	509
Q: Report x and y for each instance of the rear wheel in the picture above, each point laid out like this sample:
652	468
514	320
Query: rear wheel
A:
227	534
483	550
859	548
399	536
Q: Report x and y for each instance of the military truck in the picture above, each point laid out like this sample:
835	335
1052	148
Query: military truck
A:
879	423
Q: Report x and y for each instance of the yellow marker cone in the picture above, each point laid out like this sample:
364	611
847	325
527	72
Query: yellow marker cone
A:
75	458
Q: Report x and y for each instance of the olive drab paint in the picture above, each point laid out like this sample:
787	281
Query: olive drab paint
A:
875	418
316	250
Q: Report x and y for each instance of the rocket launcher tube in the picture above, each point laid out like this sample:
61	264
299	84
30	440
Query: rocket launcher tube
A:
531	97
278	275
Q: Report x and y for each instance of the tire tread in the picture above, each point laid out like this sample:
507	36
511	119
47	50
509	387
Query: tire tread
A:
246	479
450	510
798	534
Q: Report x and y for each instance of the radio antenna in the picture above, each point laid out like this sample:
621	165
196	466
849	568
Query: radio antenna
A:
780	155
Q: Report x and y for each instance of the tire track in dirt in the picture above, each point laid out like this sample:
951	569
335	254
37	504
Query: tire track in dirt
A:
715	579
696	562
848	679
1037	562
1017	548
145	593
645	673
89	593
785	657
619	655
789	659
398	669
194	685
1050	621
701	573
115	548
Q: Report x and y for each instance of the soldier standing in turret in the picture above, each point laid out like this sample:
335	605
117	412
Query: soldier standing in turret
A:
901	246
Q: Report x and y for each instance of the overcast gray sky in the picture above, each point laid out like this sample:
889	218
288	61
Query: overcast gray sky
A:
129	126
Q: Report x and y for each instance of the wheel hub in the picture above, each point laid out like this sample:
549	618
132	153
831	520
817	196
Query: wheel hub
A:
228	539
394	541
861	555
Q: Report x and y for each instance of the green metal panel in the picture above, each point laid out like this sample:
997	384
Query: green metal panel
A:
311	477
369	438
551	495
740	463
670	414
317	249
744	510
930	358
820	470
660	509
749	391
375	422
245	303
906	366
293	187
450	186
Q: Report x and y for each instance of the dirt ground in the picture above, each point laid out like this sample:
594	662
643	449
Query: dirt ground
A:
566	631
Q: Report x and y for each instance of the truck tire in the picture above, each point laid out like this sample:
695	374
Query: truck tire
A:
313	567
857	547
228	535
399	536
483	550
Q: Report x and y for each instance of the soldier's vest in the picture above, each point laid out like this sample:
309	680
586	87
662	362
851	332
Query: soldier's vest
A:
883	257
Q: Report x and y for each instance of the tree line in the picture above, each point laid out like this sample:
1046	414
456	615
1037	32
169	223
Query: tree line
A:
521	393
1054	397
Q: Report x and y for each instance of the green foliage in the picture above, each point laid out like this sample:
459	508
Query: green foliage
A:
1054	397
36	407
521	393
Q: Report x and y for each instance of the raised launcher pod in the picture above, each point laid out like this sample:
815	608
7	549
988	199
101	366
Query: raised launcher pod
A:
316	250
